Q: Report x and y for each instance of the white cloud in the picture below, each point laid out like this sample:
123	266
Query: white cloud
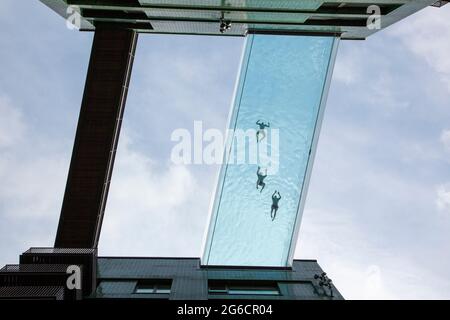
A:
32	178
347	67
365	68
33	186
366	221
443	199
426	35
373	283
4	9
187	72
445	139
362	282
389	278
25	168
12	127
360	267
152	210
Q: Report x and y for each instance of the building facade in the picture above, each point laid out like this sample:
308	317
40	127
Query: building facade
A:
186	279
44	273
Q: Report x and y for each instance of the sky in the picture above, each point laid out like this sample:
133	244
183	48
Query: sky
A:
377	215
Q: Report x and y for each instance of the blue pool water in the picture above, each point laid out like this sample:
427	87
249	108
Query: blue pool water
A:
283	81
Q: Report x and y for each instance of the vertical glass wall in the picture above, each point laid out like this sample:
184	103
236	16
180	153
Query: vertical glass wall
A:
274	126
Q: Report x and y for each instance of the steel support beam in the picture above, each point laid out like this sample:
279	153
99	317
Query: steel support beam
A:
96	138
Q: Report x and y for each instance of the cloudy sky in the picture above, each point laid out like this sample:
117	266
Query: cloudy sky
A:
377	216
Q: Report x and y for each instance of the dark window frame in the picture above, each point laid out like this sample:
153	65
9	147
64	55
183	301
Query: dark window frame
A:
238	287
153	286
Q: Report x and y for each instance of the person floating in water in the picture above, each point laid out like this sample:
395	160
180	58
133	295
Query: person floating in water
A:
261	177
261	133
275	200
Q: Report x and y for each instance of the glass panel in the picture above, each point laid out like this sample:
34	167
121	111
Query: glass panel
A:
260	4
243	17
277	111
145	289
162	291
243	289
215	290
162	288
249	291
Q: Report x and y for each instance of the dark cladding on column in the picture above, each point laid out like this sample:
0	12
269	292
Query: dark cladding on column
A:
96	139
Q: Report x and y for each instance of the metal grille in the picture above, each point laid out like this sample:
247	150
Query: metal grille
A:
32	292
34	268
60	250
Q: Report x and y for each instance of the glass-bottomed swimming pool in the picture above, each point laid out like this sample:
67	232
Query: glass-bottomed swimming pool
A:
279	101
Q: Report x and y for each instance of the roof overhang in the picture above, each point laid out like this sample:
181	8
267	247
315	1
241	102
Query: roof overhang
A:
345	18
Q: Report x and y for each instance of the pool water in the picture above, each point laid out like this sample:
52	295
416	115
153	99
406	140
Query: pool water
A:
283	81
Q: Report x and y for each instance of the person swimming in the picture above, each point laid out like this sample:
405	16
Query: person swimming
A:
261	177
261	133
275	200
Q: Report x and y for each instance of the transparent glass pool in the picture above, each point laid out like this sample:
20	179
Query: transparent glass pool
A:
283	82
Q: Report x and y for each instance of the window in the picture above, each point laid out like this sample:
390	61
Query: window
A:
243	288
153	287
